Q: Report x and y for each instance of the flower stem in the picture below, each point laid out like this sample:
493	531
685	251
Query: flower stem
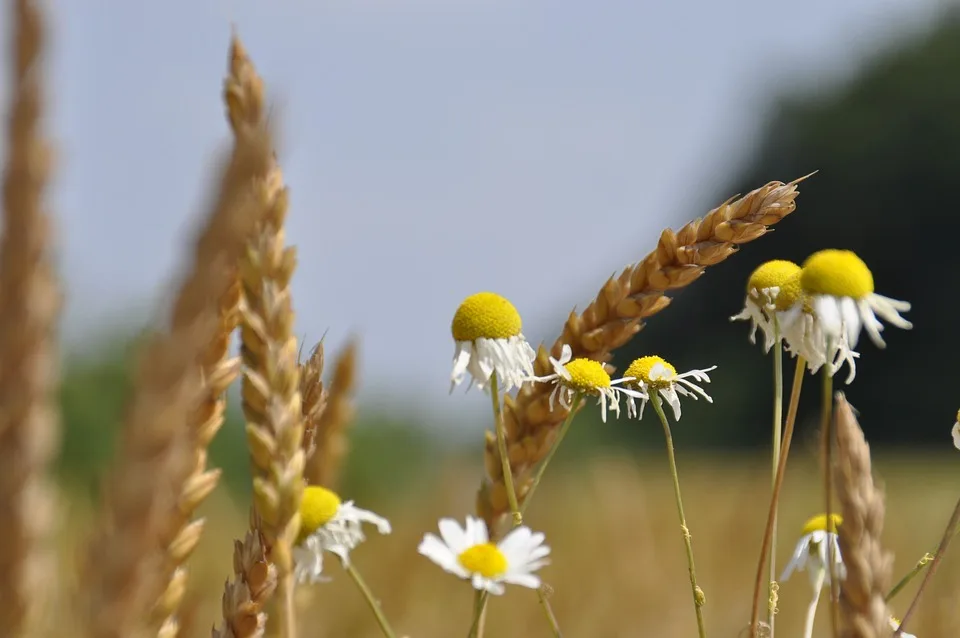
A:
373	603
480	603
502	447
919	567
543	596
812	608
826	450
553	450
698	598
798	374
941	550
777	432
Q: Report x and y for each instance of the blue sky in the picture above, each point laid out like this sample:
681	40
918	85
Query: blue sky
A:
434	148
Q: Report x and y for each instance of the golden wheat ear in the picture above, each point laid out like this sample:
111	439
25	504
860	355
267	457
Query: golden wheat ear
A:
863	610
614	316
332	422
29	308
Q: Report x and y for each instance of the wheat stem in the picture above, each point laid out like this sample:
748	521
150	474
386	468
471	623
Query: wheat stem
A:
372	602
798	373
777	436
698	598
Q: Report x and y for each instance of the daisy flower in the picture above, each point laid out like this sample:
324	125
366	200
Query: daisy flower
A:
811	552
895	625
839	300
328	524
654	374
956	432
773	288
587	377
486	329
469	554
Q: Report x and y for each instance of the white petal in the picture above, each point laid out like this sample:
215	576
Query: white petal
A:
956	435
523	579
453	535
437	551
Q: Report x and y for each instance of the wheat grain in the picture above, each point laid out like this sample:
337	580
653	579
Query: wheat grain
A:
29	305
325	465
618	313
863	611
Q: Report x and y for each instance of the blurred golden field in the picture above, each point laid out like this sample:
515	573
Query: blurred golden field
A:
618	566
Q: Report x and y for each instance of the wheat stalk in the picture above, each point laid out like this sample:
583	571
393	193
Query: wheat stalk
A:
325	464
618	313
29	305
128	557
271	374
863	610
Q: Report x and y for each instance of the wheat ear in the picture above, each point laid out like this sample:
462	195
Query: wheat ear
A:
29	305
271	373
618	313
325	464
313	401
128	558
863	610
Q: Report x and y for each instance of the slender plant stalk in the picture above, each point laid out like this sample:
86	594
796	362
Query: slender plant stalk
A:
698	598
777	434
826	444
548	611
812	608
372	602
798	373
504	455
948	534
553	450
919	567
480	598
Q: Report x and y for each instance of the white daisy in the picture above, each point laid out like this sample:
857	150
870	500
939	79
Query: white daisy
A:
804	335
811	552
895	625
587	377
654	374
773	288
469	554
486	329
956	432
328	524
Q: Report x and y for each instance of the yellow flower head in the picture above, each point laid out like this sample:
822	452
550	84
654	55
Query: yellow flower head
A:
640	370
838	273
485	315
318	507
819	524
587	376
485	559
781	274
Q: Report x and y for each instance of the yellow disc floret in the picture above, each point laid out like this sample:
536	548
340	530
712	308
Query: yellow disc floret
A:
485	559
640	370
781	274
819	524
318	506
485	315
586	375
836	272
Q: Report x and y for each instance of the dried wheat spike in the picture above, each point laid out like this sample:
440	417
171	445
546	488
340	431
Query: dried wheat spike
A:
618	313
129	558
325	465
245	597
271	373
863	610
314	401
29	305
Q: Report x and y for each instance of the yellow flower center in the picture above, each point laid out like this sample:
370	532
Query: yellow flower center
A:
819	524
781	274
836	272
485	315
318	506
640	370
485	559
586	375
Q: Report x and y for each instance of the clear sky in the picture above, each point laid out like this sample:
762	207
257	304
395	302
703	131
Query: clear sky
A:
434	148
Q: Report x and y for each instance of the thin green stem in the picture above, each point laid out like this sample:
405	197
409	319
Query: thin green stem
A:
577	398
504	455
480	602
777	432
826	447
919	567
798	374
941	550
698	598
543	596
372	602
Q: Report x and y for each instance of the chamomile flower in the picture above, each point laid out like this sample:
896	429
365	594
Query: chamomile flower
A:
956	432
585	376
328	524
839	289
895	625
486	329
654	374
813	550
469	554
773	288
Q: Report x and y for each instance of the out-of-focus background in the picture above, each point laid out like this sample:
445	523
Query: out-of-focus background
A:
435	149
